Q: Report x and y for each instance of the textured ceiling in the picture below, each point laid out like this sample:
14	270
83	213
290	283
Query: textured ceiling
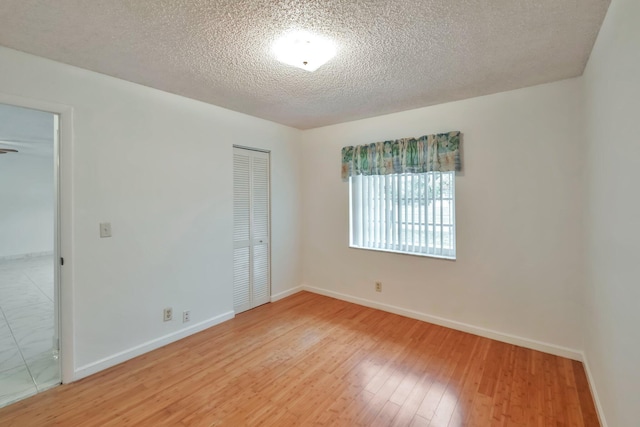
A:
393	55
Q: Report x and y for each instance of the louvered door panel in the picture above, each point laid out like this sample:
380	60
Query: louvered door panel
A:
261	291
241	279
260	197
260	227
241	197
241	231
251	205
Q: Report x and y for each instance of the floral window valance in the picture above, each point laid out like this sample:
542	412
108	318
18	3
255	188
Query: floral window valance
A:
437	153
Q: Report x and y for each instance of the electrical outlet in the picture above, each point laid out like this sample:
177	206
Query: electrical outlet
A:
105	229
186	316
168	314
378	286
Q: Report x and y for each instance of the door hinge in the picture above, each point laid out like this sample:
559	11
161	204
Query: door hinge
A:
61	261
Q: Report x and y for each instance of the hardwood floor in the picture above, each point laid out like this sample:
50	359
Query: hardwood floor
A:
313	360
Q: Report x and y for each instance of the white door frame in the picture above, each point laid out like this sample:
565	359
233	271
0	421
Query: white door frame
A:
63	229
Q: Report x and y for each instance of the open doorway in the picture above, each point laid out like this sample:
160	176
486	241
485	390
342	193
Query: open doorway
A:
29	347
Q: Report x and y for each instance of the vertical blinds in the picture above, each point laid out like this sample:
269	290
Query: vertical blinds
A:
411	213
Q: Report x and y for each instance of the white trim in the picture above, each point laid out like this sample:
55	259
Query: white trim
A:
245	147
287	293
148	346
594	392
25	256
391	251
465	327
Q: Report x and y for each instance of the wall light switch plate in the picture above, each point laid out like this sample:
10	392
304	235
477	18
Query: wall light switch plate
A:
105	229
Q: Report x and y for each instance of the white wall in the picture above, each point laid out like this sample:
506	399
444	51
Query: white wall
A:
159	168
519	231
26	204
612	315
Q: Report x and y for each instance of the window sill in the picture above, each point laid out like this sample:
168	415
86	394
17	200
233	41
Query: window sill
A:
445	257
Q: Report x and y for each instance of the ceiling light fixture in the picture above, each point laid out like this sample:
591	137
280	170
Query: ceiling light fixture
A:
304	50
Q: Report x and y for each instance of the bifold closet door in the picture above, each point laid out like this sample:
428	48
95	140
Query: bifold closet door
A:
251	260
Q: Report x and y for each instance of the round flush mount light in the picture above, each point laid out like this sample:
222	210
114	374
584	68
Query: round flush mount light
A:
303	50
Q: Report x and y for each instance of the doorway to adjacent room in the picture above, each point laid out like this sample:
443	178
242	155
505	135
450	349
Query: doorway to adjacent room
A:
29	297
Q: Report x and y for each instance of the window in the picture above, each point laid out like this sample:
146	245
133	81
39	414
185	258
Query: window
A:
411	213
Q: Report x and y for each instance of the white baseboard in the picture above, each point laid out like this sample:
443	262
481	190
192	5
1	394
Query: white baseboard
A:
465	327
594	392
25	256
284	294
125	355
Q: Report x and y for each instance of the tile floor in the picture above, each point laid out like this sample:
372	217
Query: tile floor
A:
28	362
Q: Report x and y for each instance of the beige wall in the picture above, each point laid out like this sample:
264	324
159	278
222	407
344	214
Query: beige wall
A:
159	168
519	234
612	123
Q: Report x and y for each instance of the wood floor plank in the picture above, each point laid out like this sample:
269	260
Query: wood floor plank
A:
587	406
313	360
